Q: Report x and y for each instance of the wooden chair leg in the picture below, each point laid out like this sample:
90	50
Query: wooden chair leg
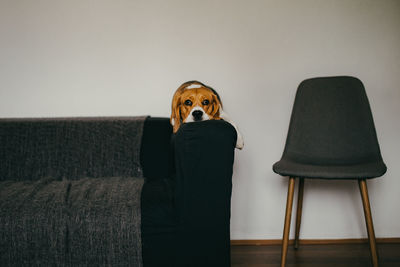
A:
298	213
286	229
368	219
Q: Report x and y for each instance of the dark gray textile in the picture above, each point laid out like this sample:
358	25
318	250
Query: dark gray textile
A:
67	196
70	148
331	133
88	222
104	223
33	219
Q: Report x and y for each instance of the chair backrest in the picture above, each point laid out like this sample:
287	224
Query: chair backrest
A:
331	123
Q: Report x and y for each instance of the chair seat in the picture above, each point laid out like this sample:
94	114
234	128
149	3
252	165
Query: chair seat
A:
366	170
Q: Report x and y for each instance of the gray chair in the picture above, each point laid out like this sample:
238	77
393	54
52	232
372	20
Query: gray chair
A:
331	136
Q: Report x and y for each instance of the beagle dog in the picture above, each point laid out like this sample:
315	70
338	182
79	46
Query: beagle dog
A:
194	101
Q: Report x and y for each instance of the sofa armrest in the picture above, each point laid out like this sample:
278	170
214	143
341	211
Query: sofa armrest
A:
204	155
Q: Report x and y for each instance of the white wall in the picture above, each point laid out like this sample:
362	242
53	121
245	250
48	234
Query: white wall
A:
105	58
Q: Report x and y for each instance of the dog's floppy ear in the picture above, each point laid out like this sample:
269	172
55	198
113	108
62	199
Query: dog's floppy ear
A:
175	113
176	117
216	106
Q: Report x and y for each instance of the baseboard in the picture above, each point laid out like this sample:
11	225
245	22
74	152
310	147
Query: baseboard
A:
269	242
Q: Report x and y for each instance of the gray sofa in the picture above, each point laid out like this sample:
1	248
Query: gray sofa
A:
119	191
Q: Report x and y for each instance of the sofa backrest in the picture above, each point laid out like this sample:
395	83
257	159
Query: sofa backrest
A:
157	153
71	148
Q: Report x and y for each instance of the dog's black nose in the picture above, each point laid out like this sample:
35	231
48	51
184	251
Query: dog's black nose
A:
197	115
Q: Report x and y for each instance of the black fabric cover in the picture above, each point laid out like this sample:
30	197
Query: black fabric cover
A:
331	132
157	204
156	153
70	148
186	215
158	223
204	154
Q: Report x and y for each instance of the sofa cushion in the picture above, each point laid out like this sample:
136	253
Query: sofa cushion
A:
84	222
33	220
104	222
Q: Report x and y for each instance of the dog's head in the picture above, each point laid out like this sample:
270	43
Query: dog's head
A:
194	101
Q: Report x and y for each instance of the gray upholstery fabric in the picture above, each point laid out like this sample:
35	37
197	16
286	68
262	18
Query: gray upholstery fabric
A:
70	148
104	222
88	222
67	192
33	222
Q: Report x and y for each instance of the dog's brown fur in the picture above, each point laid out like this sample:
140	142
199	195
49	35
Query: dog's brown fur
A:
185	99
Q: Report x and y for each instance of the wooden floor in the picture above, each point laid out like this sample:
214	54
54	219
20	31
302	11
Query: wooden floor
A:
338	255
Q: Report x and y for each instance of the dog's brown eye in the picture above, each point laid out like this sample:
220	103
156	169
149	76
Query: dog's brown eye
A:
188	103
205	102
